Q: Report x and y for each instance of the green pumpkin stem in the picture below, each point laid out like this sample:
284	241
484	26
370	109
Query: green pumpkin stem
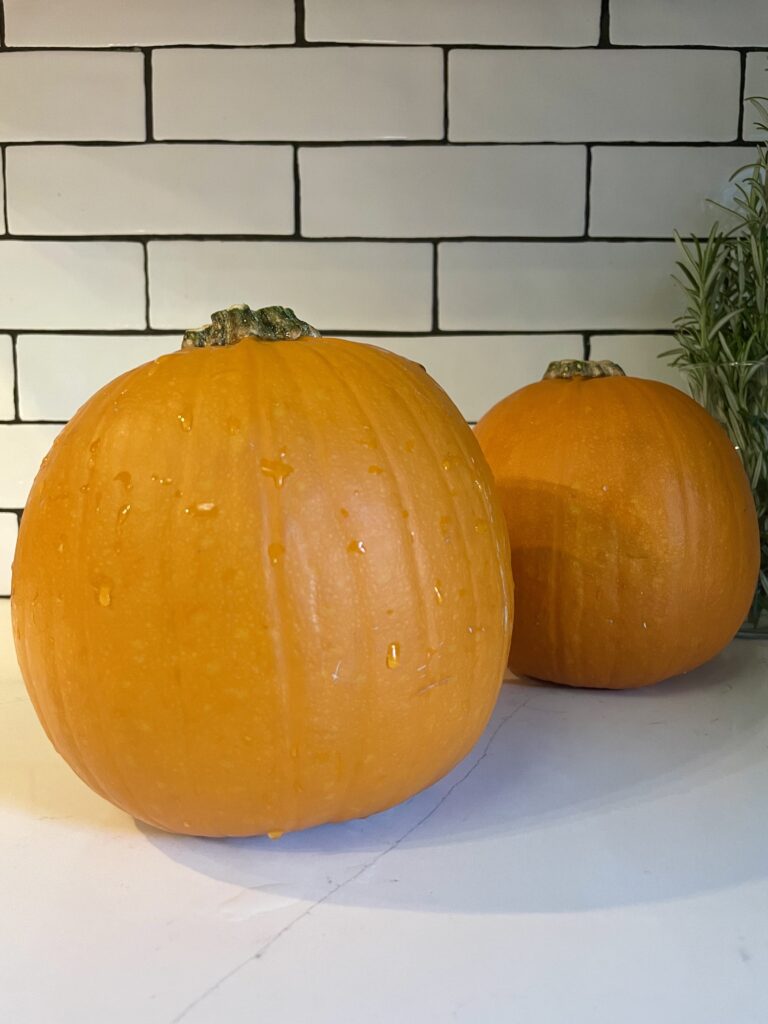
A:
567	369
228	326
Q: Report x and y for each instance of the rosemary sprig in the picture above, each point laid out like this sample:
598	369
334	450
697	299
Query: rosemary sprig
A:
722	337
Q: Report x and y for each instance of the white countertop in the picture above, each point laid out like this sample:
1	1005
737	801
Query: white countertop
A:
599	857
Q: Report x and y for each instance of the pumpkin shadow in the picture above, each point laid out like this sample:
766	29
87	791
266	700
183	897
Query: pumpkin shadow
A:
572	800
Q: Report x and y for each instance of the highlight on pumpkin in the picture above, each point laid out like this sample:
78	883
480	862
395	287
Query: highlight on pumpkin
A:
633	531
263	582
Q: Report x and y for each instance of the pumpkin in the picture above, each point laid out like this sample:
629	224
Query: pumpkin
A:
632	527
263	583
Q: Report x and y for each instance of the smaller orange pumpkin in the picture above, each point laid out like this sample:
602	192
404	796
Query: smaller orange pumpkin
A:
633	531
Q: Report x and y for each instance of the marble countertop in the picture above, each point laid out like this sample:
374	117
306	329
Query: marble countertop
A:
599	857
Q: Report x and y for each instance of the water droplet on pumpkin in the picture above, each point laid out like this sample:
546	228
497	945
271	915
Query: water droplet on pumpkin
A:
375	469
94	446
275	552
344	512
605	487
356	547
393	655
202	508
438	589
275	834
278	470
645	625
105	595
185	422
124	478
123	512
481	526
233	425
85	488
60	547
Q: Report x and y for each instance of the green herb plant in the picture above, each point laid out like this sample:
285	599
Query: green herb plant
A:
722	336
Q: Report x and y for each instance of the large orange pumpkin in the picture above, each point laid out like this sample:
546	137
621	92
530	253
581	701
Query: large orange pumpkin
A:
633	531
263	584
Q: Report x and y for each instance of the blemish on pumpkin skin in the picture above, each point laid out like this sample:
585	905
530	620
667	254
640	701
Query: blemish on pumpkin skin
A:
105	595
275	552
124	478
375	469
344	512
276	469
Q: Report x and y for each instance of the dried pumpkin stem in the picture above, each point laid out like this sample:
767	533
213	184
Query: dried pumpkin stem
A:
567	369
228	326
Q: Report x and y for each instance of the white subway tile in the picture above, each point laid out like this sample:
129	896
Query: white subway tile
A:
556	286
154	189
479	371
58	373
593	95
756	84
649	191
146	22
8	532
22	447
638	355
333	285
554	23
71	95
6	378
688	22
88	285
335	92
404	191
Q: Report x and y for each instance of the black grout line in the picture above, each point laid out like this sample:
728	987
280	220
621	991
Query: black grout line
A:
363	44
435	290
587	191
15	359
292	239
301	18
4	170
171	332
145	263
384	143
149	120
32	423
604	39
742	90
2	25
296	194
587	343
445	94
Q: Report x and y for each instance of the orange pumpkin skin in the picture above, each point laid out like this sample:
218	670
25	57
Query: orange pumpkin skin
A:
633	531
263	586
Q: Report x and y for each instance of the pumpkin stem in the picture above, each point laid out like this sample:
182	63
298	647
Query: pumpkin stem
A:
567	369
228	326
